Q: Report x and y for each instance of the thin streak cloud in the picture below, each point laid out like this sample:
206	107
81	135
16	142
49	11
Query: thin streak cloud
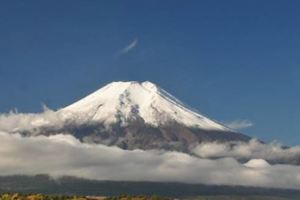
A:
239	124
129	47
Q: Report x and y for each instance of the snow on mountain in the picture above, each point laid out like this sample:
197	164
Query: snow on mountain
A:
127	101
130	115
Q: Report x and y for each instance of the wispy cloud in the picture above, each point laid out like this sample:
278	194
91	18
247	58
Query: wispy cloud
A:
129	47
239	124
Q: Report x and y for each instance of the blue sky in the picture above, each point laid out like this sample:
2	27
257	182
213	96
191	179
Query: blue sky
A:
231	60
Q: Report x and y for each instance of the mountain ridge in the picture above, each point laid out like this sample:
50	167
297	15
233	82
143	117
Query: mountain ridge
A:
153	104
134	115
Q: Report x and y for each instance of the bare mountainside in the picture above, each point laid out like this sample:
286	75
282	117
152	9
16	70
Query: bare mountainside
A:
135	115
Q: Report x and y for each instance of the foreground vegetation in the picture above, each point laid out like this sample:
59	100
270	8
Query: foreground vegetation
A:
17	196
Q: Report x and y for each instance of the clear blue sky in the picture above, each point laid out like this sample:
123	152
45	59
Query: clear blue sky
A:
229	59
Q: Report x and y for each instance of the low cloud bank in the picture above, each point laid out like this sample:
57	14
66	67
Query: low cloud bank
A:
14	122
55	121
60	155
273	152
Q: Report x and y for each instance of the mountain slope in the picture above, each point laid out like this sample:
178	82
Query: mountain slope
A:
134	115
141	115
130	100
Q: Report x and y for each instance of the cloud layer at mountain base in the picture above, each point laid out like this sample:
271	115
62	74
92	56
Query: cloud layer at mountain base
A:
13	122
273	152
60	155
33	123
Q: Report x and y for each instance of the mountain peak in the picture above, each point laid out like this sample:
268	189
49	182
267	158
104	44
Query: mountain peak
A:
122	84
125	101
150	85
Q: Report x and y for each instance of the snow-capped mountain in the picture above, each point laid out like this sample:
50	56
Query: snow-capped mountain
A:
134	115
126	101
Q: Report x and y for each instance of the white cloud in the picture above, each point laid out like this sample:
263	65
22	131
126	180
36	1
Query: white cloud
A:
129	47
239	124
217	163
253	149
18	122
64	155
257	163
13	122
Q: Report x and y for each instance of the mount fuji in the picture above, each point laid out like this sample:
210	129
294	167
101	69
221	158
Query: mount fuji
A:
134	115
